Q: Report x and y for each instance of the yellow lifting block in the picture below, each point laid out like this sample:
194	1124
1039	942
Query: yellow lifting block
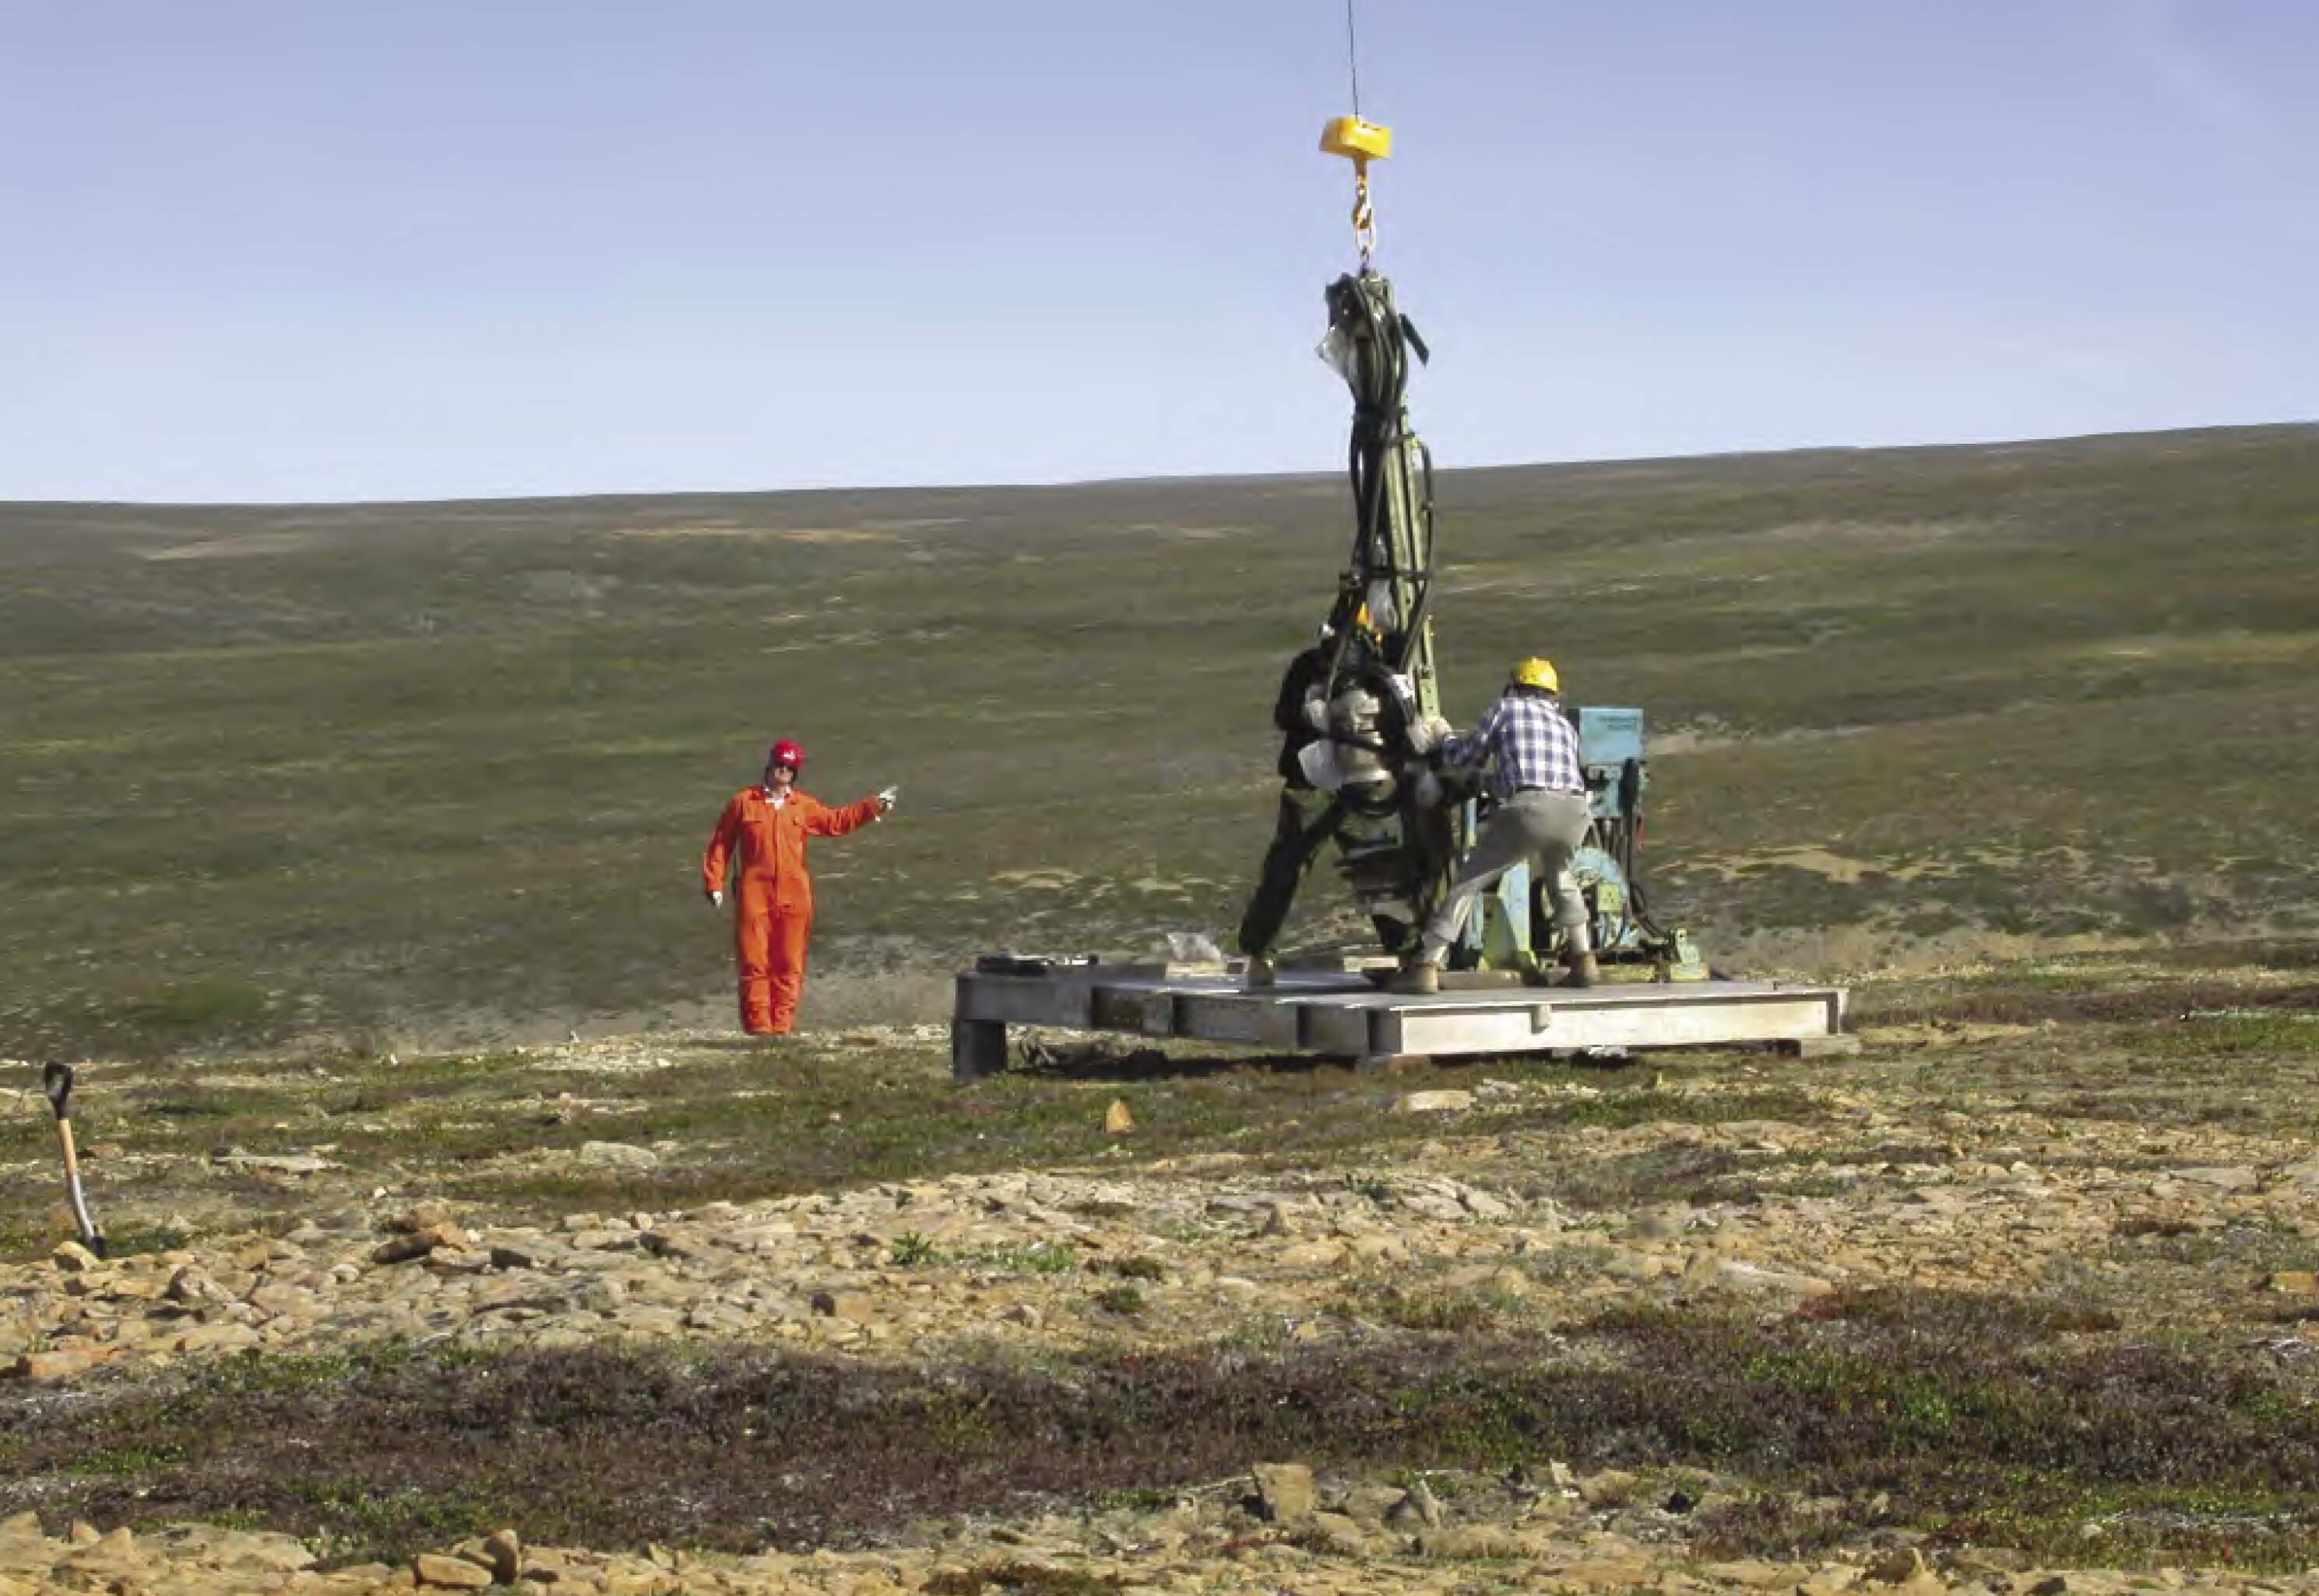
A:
1356	140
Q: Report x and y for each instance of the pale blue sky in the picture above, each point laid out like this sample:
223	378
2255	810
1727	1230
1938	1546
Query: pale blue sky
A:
272	250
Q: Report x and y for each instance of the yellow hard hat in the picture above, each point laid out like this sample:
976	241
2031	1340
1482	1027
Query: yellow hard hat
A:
1536	671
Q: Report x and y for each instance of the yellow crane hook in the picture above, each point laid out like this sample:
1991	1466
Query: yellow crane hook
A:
1359	142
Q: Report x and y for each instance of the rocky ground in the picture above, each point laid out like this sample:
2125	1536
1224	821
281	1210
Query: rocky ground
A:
1703	1322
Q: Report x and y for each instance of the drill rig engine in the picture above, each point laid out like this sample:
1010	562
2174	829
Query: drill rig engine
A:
1513	927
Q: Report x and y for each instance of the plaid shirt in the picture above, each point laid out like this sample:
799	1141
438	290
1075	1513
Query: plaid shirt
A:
1534	744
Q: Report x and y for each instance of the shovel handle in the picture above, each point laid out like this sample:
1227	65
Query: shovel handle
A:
56	1081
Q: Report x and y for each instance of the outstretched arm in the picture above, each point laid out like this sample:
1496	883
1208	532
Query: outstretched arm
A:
1474	747
822	821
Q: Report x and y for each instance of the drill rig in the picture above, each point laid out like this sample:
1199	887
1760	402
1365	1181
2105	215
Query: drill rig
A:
1400	818
1405	820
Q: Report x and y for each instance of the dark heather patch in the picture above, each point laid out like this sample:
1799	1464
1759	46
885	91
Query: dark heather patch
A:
1960	1410
2005	1002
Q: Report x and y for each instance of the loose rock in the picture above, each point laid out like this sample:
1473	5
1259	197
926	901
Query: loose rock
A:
1443	1102
1283	1491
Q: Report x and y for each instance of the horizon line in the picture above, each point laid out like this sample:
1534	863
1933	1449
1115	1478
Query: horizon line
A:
1066	484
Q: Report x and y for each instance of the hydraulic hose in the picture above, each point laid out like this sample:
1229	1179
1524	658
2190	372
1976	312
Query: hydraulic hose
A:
1378	337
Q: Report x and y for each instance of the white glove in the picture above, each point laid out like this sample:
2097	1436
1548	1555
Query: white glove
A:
1428	733
887	799
717	896
1316	713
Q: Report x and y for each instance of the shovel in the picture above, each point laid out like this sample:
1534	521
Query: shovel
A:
56	1080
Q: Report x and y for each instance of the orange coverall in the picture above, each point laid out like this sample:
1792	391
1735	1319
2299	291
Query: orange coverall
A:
772	901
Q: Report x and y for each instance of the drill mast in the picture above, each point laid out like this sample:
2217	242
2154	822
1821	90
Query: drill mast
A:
1396	851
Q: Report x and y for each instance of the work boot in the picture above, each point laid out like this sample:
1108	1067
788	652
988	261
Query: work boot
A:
1584	971
1419	980
1261	972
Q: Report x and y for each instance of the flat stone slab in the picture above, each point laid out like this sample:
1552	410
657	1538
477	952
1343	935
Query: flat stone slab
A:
1341	1015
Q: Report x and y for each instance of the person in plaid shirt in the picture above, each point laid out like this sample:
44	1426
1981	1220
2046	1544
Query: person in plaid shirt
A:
1542	814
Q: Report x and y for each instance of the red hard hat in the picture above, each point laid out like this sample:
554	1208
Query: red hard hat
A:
786	752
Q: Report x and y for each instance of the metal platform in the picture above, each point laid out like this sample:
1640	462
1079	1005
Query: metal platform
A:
1341	1015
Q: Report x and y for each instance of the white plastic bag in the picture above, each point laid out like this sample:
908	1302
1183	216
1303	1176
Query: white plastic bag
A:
1318	761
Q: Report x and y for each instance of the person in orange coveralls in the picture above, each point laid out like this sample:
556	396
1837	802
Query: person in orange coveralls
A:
766	825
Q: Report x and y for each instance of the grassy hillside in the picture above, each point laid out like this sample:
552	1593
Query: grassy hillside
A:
406	769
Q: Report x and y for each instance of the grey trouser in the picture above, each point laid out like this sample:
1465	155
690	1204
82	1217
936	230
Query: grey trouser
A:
1545	827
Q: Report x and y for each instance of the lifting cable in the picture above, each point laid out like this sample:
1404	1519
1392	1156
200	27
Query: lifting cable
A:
1375	340
1358	141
